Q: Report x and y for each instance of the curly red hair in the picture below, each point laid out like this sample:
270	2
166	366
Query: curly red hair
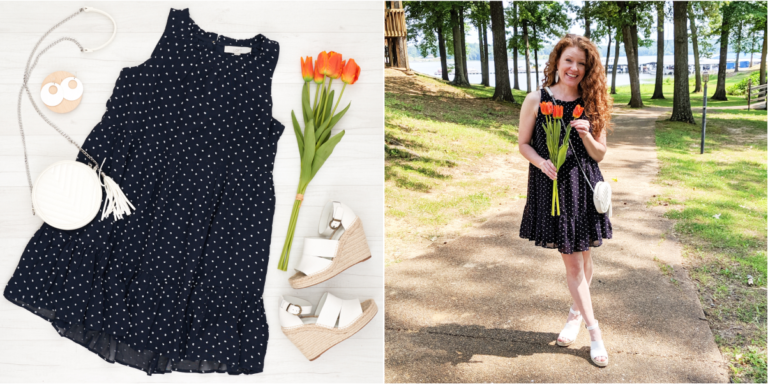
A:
593	87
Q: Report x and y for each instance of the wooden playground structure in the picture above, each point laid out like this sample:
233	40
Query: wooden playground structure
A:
395	36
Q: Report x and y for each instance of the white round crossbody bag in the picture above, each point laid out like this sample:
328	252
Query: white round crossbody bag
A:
601	193
67	194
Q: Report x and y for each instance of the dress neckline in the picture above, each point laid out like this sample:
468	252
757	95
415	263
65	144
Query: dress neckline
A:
558	100
214	43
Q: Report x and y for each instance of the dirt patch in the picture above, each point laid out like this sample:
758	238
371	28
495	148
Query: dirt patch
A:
389	72
422	86
468	175
494	172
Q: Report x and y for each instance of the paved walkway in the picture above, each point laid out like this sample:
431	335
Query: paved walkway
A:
489	306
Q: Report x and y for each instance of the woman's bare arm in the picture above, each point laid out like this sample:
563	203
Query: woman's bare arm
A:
596	148
528	113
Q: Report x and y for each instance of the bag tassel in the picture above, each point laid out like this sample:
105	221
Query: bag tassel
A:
116	202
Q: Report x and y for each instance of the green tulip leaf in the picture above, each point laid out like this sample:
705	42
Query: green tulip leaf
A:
328	106
306	107
561	156
297	131
309	152
335	119
324	152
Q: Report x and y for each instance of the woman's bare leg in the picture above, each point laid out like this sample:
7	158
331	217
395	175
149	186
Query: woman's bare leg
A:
587	256
578	285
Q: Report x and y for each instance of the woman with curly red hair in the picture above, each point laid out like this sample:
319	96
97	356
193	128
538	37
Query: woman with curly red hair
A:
576	78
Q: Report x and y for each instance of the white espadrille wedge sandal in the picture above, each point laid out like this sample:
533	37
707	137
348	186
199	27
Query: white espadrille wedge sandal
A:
570	331
597	348
334	321
324	258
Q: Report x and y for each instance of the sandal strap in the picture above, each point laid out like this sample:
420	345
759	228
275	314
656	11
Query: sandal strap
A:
592	327
290	309
332	310
597	348
317	255
295	306
335	214
577	313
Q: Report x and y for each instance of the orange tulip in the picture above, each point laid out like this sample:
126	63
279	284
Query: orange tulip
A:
335	65
578	111
306	68
557	112
321	66
351	72
546	108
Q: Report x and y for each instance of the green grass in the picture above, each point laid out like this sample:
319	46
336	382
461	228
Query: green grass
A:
438	142
718	200
623	93
483	92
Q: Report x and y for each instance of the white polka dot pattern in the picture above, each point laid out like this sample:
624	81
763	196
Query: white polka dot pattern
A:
177	285
579	225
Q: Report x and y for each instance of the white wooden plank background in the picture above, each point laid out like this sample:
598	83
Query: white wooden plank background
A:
30	349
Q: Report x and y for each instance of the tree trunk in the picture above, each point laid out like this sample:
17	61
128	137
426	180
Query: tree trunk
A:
630	47
443	55
658	91
527	56
536	56
514	49
486	71
608	53
738	46
458	70
681	102
586	20
482	53
463	43
751	51
724	29
763	56
502	92
695	40
615	64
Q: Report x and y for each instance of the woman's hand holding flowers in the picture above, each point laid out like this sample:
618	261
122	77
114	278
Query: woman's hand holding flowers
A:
581	126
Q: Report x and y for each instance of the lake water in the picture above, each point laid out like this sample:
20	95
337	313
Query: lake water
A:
431	68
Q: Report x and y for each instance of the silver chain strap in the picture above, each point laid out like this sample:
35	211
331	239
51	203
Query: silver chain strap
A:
27	71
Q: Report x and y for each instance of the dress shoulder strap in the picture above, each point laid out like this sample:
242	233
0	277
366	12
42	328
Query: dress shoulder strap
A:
544	95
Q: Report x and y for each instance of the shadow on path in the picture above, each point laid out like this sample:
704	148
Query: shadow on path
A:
488	306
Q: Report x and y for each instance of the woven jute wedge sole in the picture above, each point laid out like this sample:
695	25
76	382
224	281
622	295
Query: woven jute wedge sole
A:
353	249
313	340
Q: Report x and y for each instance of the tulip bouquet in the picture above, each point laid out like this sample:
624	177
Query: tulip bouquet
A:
557	152
316	143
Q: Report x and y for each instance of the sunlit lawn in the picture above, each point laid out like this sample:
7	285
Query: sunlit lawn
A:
719	204
433	147
622	95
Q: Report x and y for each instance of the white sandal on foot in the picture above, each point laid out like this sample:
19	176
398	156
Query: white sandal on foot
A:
334	321
324	258
597	348
570	331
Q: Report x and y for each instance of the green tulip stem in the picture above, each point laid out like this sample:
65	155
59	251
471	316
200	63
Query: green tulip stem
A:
339	100
315	112
317	92
283	263
322	114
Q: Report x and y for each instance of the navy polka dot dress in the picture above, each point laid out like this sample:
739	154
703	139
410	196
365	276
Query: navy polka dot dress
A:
177	285
579	225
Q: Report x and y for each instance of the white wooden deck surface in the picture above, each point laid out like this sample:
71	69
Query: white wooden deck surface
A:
30	349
